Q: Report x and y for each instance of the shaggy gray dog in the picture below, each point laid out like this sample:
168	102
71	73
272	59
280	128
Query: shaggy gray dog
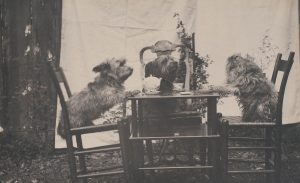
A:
164	67
99	96
256	94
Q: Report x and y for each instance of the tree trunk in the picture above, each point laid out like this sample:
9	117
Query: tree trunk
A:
31	33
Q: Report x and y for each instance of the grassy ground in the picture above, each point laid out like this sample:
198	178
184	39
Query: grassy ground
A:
21	165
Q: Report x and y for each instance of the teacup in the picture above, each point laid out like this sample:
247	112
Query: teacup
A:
178	86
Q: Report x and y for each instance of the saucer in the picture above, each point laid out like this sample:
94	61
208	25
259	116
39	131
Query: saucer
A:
152	92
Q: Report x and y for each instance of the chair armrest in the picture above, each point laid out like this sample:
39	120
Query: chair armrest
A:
236	121
94	129
254	124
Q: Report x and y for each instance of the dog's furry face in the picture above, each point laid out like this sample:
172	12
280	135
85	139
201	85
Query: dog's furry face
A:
114	68
257	95
238	67
164	67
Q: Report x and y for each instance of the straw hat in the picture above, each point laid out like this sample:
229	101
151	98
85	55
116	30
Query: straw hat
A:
163	45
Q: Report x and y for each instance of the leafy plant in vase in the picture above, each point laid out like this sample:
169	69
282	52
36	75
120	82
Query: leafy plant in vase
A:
199	74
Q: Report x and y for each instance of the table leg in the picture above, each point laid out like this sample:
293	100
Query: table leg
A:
134	118
213	127
215	161
140	143
212	120
135	144
268	139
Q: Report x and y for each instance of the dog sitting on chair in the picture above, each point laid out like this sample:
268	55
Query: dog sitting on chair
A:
164	67
99	96
256	94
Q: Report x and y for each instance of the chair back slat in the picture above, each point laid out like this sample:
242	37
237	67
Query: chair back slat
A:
285	67
61	78
282	65
64	80
276	68
56	77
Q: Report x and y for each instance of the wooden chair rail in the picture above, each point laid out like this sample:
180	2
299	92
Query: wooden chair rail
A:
93	129
99	150
178	115
175	167
252	148
246	138
94	175
211	137
253	124
106	169
252	172
247	160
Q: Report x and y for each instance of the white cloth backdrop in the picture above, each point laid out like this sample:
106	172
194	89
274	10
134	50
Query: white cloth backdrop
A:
94	30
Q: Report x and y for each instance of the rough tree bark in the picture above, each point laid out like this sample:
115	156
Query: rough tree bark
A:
30	32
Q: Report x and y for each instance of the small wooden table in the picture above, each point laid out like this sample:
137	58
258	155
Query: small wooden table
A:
207	132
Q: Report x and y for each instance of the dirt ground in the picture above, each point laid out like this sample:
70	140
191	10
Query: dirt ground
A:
19	165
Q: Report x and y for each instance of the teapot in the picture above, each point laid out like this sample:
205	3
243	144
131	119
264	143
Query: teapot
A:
151	84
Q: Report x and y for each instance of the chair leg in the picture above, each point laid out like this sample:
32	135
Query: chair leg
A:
141	160
277	161
215	161
224	151
202	150
72	164
150	151
124	133
190	151
268	139
149	148
138	154
82	164
71	159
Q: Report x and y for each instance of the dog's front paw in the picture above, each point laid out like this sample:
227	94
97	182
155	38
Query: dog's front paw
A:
132	93
235	91
232	90
223	91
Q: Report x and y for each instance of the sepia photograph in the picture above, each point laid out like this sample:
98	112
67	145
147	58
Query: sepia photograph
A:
149	91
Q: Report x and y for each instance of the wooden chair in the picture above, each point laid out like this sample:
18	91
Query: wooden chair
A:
57	76
187	114
272	132
180	126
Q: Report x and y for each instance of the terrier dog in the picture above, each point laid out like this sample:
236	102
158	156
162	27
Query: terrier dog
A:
256	94
164	67
99	96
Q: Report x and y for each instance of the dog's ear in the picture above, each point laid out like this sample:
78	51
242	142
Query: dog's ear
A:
102	67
